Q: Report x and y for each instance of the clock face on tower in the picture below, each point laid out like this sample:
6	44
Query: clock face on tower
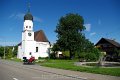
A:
29	34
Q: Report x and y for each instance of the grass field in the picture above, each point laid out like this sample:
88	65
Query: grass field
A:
69	65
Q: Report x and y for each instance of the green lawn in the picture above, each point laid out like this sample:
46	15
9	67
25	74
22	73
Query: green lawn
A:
69	65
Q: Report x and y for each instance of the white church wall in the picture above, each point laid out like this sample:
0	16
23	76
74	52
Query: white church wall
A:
29	49
23	48
19	54
30	46
36	55
23	37
28	25
43	49
26	37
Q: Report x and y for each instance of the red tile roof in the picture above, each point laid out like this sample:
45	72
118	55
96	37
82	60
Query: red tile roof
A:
40	36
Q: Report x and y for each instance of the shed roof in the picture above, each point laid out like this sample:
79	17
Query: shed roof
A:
113	42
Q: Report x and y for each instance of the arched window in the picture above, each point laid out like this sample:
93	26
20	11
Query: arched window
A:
26	26
36	49
30	53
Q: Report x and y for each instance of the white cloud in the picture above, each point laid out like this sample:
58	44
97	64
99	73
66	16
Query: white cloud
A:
16	16
37	19
11	16
92	34
21	16
88	27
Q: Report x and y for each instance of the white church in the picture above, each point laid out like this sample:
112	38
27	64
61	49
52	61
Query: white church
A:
33	43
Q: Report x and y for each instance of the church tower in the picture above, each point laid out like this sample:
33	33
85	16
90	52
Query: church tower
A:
33	43
28	42
28	27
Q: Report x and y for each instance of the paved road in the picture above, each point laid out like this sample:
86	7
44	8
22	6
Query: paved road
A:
10	70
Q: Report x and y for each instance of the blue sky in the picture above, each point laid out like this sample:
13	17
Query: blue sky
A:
101	18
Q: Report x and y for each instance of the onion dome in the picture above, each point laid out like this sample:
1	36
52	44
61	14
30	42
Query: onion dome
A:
28	16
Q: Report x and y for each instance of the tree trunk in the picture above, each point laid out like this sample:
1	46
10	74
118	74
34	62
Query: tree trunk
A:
71	54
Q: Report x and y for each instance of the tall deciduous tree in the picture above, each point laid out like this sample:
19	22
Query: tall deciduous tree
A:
69	30
1	51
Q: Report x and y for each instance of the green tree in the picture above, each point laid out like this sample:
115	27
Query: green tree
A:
1	51
55	47
14	50
88	52
9	53
70	33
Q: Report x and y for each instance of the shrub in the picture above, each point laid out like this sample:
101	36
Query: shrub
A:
90	57
66	54
52	56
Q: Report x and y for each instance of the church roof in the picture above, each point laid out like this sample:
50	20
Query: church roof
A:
40	36
19	43
28	16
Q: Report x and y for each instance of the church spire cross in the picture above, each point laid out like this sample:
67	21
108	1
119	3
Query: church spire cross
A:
28	7
28	15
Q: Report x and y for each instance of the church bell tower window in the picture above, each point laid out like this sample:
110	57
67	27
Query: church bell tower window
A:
29	26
